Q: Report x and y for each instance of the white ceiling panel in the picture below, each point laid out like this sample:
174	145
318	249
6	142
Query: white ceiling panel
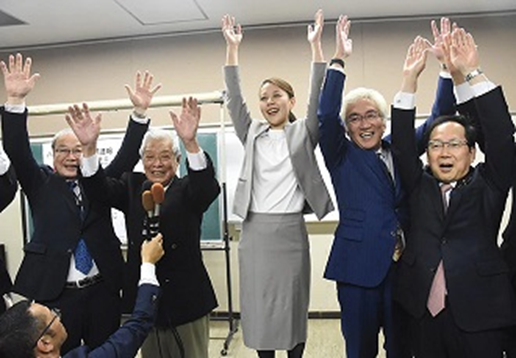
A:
58	22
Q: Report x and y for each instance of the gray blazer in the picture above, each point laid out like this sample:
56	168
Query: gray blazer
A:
302	138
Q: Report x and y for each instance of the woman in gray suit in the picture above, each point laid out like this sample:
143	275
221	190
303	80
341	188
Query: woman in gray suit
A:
279	182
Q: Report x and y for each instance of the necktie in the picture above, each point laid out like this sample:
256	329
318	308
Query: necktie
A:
83	259
400	239
437	294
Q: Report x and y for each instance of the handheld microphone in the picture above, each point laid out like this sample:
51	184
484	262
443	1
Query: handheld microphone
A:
148	206
158	195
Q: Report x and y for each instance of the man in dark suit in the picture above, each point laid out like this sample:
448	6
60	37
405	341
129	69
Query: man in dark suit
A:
452	279
31	330
8	188
73	260
369	197
182	327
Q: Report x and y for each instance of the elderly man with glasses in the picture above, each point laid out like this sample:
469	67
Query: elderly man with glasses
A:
29	329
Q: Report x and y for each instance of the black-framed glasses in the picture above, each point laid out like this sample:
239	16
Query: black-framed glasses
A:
370	117
57	314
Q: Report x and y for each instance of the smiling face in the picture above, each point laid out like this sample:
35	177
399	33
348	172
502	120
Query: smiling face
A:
275	104
364	124
67	153
159	161
449	163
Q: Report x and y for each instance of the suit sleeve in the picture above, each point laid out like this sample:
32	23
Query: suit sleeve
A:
126	341
237	108
203	187
498	129
332	137
111	192
8	188
128	154
444	104
17	147
316	79
404	147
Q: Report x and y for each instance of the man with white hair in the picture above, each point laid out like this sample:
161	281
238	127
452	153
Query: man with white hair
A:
182	326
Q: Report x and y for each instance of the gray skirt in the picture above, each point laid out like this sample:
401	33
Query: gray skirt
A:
274	261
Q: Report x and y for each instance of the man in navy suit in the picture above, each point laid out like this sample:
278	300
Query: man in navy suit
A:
369	237
33	330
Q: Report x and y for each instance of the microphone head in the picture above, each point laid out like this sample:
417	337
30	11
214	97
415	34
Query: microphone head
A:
158	193
147	201
146	185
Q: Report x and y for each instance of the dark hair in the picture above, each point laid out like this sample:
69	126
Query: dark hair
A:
469	128
18	331
285	86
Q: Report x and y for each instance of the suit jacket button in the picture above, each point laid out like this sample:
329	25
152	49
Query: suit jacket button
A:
393	233
173	246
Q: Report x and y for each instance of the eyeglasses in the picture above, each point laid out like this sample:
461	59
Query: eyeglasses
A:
451	145
370	116
57	314
163	158
64	152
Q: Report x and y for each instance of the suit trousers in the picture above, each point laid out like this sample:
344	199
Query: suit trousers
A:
92	313
440	337
366	310
194	336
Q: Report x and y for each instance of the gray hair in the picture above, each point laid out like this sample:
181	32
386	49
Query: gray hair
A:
155	134
59	134
369	94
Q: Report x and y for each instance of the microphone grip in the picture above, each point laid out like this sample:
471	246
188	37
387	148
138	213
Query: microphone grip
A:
153	226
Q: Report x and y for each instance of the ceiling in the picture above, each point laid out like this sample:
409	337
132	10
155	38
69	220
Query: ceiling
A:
36	23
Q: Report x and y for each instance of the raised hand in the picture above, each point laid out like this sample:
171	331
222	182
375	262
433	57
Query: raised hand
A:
314	32
463	51
343	44
85	127
232	32
142	95
437	46
187	123
18	81
414	64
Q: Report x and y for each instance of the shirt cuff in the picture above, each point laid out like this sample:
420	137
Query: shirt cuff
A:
463	92
148	274
15	108
139	119
89	165
197	161
404	100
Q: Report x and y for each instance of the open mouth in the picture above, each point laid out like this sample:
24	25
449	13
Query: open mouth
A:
445	167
